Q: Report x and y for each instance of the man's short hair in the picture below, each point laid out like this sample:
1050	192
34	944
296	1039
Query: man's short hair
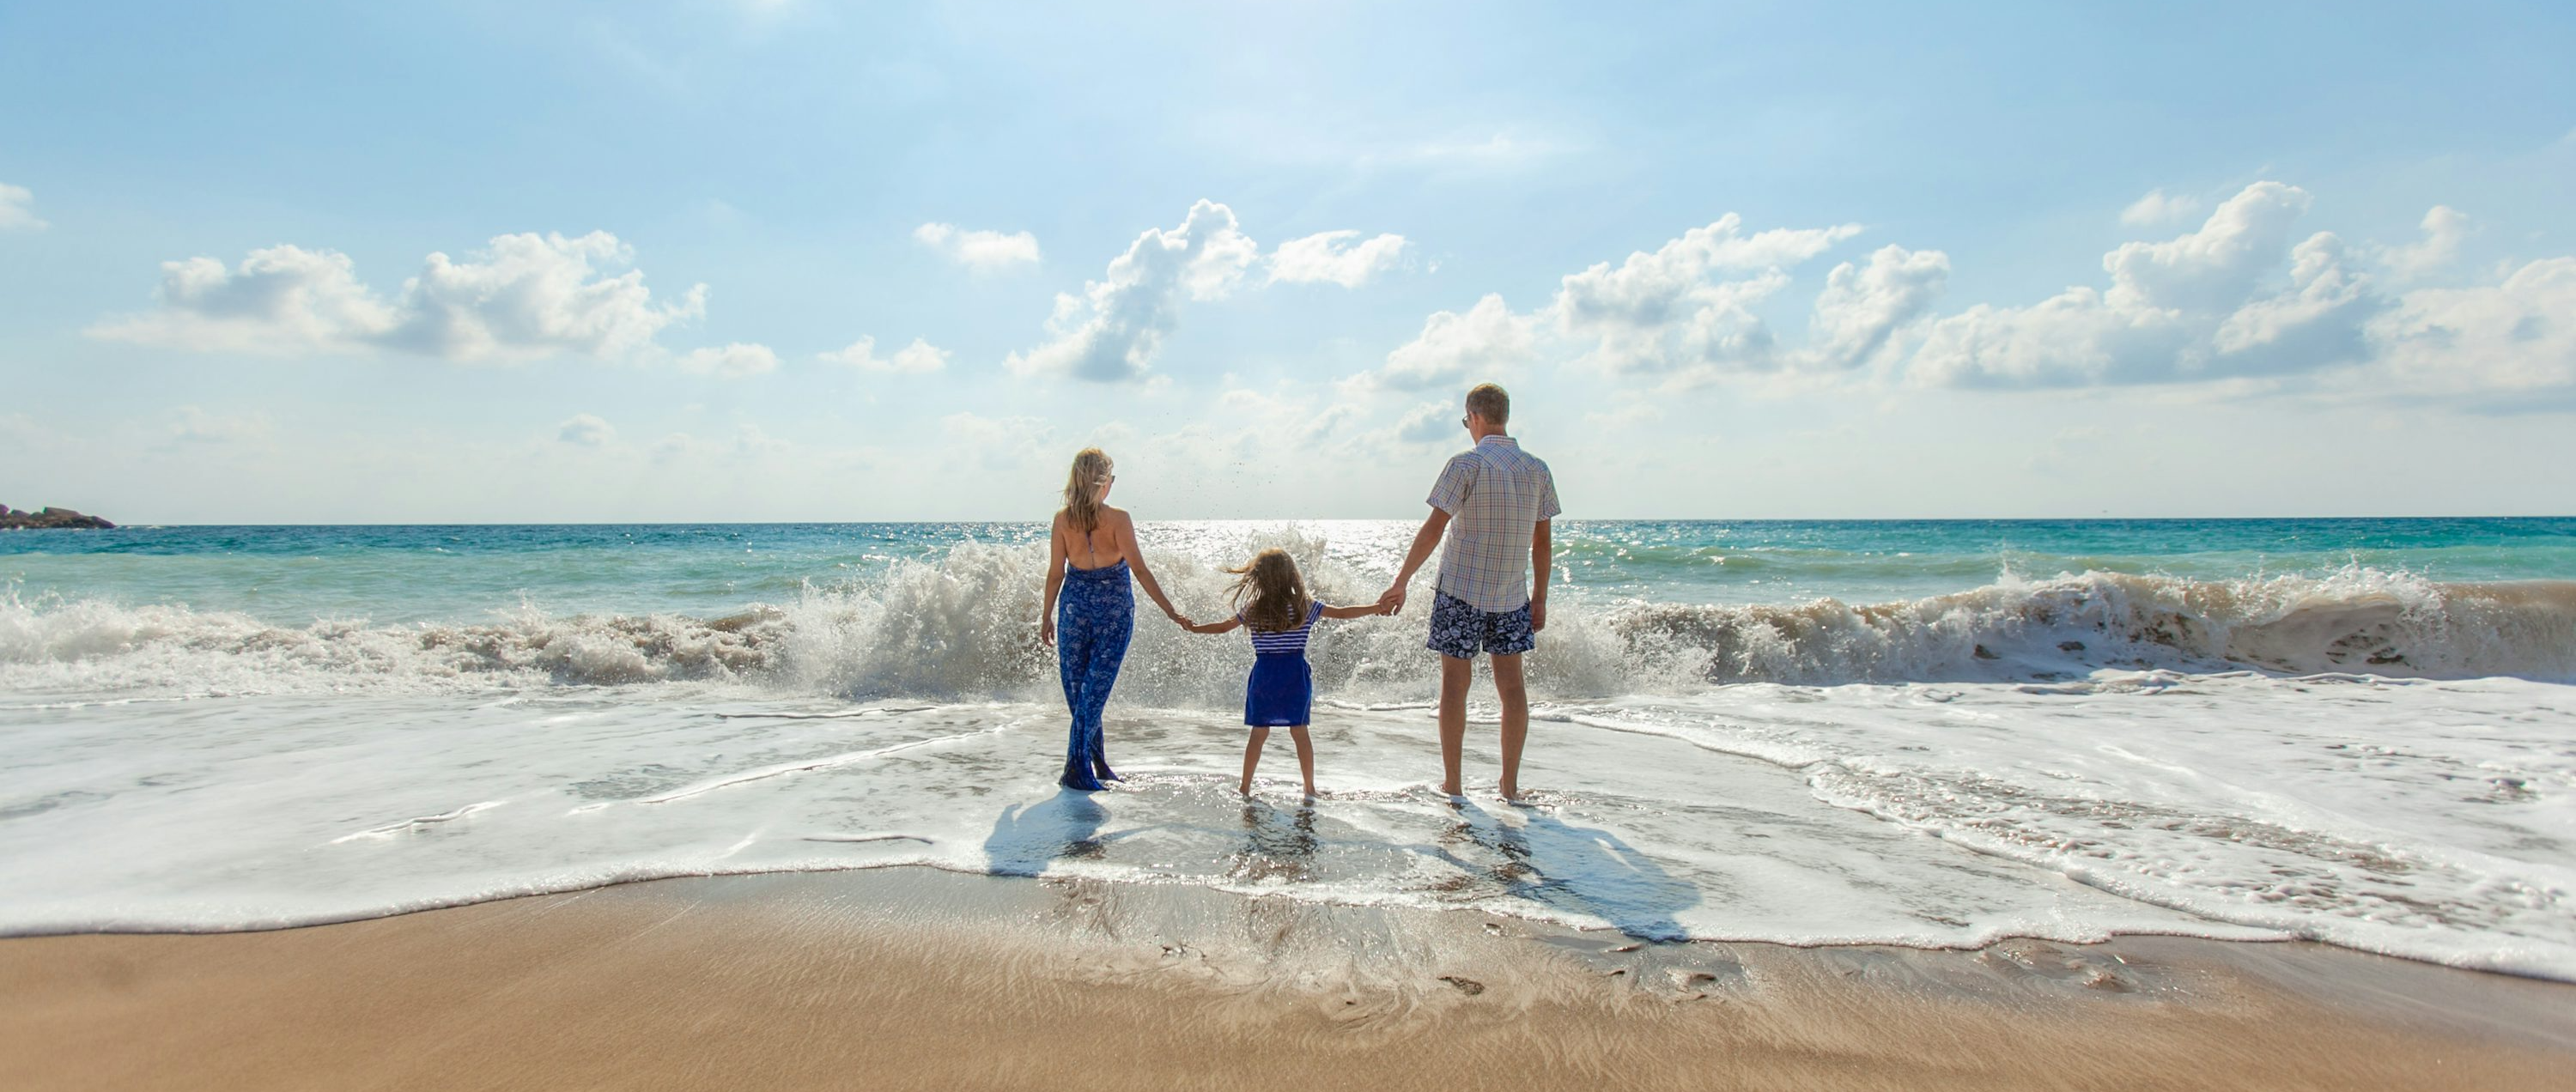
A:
1489	402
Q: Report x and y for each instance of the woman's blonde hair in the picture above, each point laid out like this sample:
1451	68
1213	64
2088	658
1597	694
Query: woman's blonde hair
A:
1091	468
1270	595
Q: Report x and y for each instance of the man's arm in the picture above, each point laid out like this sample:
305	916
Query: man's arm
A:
1423	542
1542	559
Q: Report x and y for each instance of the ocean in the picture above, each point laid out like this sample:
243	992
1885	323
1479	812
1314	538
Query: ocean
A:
1938	734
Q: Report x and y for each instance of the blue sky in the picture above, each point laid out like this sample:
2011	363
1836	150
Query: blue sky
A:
1769	260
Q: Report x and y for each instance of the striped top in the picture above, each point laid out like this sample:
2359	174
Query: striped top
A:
1286	642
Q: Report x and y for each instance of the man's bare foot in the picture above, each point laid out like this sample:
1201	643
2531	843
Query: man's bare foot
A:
1244	790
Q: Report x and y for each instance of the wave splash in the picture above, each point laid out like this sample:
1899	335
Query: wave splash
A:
964	626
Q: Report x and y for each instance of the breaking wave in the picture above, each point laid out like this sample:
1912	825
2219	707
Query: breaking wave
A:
964	625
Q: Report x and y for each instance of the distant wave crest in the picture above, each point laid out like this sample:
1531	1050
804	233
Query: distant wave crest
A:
964	626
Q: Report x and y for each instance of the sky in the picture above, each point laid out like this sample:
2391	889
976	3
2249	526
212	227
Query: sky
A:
749	260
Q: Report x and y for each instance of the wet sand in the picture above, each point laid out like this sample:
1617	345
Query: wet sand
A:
909	978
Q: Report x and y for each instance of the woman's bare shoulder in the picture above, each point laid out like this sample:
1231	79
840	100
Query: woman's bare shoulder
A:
1115	517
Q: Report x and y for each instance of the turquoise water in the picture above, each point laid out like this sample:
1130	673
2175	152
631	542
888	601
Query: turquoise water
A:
1929	733
396	574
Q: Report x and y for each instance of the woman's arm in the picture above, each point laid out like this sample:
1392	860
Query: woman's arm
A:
1054	579
1136	563
1361	611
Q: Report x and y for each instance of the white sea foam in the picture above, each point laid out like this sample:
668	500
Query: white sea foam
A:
965	627
2367	758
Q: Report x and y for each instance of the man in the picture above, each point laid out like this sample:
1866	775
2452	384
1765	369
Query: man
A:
1494	502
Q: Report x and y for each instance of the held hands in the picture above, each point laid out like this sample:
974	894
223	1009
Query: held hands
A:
1392	602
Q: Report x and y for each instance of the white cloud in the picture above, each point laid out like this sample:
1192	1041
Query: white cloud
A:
2159	208
2517	335
2316	323
2444	229
2215	266
982	251
2068	339
280	300
920	357
1111	332
1486	341
585	430
1862	307
1666	312
1333	257
734	361
18	209
1431	423
529	295
533	295
2187	308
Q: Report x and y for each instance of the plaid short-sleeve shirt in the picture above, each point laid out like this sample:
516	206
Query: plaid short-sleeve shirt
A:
1495	495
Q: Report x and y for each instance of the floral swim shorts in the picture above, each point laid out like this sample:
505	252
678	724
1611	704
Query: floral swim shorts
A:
1459	629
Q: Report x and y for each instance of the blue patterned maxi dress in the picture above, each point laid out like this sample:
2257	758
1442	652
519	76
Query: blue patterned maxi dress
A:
1095	615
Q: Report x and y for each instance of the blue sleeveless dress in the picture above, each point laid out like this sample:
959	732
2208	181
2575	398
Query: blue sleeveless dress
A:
1281	691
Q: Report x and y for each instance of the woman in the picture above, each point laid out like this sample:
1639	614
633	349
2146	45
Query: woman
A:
1089	554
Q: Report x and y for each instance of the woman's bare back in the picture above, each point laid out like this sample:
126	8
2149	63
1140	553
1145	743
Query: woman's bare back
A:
1099	548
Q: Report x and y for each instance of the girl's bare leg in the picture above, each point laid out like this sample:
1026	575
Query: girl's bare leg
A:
1252	758
1305	756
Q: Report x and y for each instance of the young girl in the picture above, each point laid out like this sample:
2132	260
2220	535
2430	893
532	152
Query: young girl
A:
1271	600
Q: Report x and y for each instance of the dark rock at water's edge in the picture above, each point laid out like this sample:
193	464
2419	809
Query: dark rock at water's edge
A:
12	519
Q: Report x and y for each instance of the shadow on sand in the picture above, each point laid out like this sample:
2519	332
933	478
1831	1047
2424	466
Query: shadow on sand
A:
1066	825
1576	870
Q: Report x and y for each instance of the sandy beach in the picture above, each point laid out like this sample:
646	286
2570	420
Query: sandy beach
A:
914	978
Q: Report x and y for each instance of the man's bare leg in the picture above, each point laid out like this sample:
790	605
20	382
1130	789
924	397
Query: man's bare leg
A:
1515	699
1455	673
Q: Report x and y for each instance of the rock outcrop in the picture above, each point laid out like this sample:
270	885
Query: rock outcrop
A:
13	520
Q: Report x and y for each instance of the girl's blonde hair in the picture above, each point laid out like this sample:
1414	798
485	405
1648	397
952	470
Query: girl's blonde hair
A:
1270	595
1091	468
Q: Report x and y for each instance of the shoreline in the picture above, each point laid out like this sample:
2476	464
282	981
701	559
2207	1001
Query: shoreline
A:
914	977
